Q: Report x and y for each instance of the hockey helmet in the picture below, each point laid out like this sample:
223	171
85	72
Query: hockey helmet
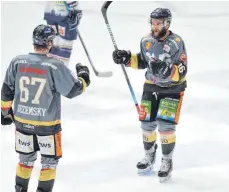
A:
42	35
161	13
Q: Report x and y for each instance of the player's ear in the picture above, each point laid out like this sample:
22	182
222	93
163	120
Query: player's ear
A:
50	43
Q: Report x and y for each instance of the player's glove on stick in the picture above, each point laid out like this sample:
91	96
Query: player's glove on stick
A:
74	17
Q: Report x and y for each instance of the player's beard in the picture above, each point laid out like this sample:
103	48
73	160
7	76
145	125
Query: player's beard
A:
161	34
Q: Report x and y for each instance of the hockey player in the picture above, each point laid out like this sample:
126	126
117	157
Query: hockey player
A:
35	83
64	17
164	56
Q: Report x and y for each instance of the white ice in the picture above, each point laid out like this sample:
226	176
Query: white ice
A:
102	139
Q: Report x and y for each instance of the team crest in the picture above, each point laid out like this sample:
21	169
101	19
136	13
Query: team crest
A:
166	48
61	30
177	40
148	45
183	57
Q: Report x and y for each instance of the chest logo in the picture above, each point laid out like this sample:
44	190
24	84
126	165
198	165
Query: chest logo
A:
166	48
148	45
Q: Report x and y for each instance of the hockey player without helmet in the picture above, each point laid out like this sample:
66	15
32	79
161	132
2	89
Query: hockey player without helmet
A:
161	13
42	35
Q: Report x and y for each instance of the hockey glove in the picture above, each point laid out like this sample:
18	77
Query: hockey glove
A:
121	57
83	72
153	66
74	18
164	70
160	69
7	119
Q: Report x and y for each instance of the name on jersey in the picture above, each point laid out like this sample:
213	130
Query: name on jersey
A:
34	111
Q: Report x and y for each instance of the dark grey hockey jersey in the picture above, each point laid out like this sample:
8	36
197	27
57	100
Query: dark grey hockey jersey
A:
35	83
172	51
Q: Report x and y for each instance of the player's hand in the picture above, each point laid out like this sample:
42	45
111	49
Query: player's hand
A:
7	119
83	72
121	57
74	18
164	70
154	66
160	69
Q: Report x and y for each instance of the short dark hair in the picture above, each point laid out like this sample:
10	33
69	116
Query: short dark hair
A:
40	46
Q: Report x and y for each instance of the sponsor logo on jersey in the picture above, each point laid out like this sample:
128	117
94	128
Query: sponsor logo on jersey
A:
20	142
45	145
175	43
21	61
29	127
32	70
23	143
49	64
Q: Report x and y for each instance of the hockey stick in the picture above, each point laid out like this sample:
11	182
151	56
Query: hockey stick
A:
104	12
97	73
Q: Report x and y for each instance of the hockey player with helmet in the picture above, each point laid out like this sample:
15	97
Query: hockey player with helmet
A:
164	56
35	83
64	17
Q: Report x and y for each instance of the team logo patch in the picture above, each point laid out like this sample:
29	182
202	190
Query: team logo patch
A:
166	48
183	57
61	30
148	45
178	39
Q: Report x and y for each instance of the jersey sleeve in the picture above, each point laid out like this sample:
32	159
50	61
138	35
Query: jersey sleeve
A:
178	60
8	88
66	83
56	11
74	5
137	61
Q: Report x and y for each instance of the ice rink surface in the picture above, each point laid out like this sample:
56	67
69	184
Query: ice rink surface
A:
102	139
